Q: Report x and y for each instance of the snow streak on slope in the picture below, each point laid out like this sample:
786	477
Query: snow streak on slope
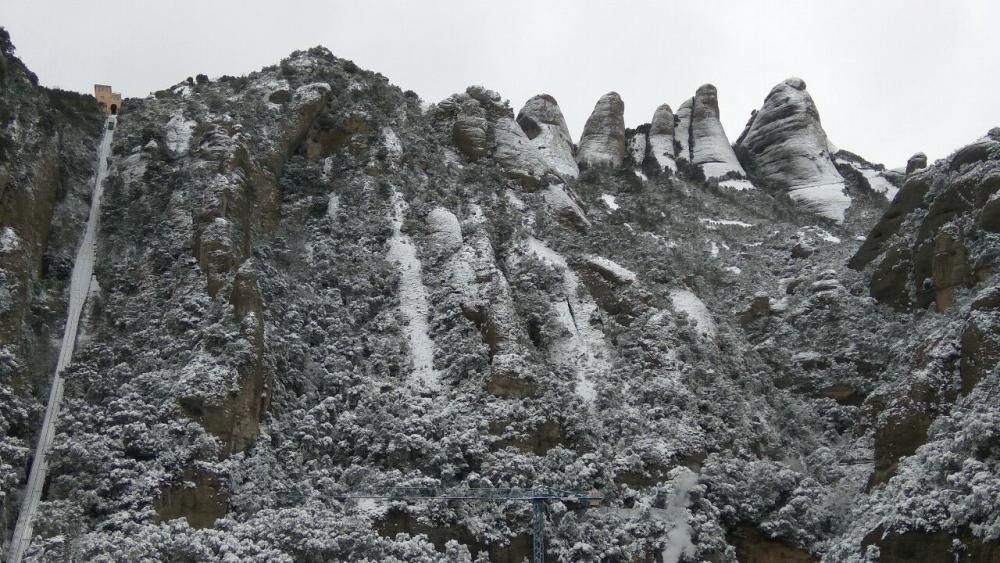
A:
585	349
610	201
79	287
826	198
412	298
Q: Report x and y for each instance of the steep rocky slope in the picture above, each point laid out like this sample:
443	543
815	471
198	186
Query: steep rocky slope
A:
311	284
47	151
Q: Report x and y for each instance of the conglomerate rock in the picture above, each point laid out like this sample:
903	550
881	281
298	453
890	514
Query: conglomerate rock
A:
790	150
710	148
602	144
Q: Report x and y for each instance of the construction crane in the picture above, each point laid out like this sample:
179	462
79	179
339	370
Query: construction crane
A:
538	497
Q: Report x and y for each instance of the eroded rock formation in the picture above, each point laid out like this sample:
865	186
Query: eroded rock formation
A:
661	137
710	147
602	144
790	150
543	122
922	258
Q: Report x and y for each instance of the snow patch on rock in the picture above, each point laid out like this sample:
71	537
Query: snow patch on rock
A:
876	179
9	241
610	201
738	184
712	223
689	303
828	199
178	133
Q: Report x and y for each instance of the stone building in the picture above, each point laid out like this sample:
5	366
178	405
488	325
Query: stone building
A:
109	101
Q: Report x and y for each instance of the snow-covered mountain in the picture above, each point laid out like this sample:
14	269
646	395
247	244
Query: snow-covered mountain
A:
310	283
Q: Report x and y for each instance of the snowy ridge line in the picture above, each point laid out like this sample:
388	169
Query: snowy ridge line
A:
83	271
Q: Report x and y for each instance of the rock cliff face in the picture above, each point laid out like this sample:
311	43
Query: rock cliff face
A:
48	146
935	238
790	150
313	285
603	141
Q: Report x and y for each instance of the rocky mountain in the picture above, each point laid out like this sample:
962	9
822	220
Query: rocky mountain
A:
312	284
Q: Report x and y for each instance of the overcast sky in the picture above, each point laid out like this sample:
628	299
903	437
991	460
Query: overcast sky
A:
890	78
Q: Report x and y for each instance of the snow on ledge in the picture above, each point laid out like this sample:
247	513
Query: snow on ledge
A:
615	270
738	184
712	223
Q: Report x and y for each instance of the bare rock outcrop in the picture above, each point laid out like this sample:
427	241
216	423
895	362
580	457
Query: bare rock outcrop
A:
481	124
934	238
543	123
682	130
710	147
661	137
603	141
517	155
791	151
470	130
916	162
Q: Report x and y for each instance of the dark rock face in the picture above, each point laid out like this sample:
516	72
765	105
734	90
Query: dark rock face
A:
752	546
602	144
926	241
932	547
200	499
899	437
791	151
916	162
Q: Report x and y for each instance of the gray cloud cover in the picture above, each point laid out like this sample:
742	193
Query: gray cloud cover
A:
889	77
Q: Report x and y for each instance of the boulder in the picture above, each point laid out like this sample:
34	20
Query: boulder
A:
916	162
760	307
565	207
661	137
543	123
603	141
802	250
791	151
710	148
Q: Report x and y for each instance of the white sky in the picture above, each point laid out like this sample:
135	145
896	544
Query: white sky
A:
890	78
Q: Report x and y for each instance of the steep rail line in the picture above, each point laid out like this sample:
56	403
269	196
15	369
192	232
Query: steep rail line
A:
83	271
